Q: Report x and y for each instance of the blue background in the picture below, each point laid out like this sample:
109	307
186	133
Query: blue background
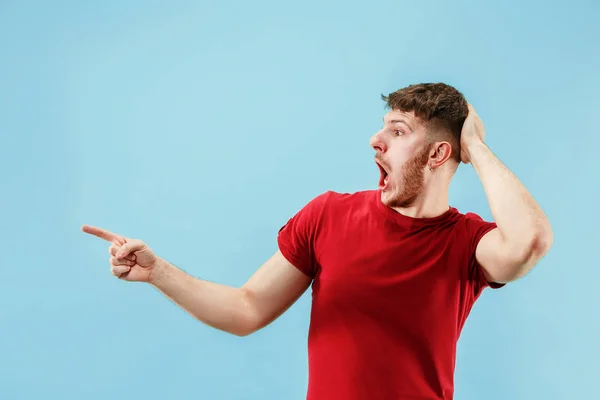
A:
201	127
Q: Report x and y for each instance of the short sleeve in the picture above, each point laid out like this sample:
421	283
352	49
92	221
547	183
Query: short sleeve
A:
296	239
477	229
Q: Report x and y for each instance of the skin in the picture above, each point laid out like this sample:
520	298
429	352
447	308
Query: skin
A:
419	170
403	150
273	288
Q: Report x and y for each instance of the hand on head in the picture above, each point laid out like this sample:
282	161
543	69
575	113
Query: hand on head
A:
472	133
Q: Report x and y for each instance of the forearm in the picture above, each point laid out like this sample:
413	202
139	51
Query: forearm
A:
519	218
219	306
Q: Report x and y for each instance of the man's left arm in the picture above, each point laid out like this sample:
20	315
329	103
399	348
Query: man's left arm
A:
523	234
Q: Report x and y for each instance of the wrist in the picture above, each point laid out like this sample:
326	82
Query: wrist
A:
475	149
158	272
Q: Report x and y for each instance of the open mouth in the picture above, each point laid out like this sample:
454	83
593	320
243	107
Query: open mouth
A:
383	177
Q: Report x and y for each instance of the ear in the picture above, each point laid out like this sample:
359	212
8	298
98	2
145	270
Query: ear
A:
440	152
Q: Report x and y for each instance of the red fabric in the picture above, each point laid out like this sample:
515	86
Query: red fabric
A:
390	295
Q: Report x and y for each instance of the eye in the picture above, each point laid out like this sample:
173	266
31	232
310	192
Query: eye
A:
398	132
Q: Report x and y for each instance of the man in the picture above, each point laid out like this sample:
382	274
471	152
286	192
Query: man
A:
394	271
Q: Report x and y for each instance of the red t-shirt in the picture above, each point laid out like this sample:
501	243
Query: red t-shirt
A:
390	295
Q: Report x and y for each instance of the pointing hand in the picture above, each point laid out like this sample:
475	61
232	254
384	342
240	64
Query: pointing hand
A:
130	259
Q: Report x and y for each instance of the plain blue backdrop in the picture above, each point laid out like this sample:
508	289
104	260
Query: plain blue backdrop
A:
201	127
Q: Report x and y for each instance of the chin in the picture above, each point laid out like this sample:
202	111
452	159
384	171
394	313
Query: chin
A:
398	199
387	197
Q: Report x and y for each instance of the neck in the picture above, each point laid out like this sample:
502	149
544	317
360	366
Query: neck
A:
433	199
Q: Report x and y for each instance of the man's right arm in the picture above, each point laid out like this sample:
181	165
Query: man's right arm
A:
273	288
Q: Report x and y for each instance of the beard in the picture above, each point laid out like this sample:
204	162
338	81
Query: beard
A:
411	182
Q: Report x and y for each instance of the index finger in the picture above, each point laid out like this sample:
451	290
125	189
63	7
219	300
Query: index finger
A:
104	234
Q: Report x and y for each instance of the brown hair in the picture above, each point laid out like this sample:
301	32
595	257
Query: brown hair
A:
441	108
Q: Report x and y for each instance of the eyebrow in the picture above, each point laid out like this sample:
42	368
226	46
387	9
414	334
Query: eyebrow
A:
401	121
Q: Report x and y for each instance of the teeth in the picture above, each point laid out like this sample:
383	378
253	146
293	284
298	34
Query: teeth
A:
384	175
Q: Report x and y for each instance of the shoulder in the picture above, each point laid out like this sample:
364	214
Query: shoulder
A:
472	217
334	199
468	217
473	226
474	221
332	205
319	212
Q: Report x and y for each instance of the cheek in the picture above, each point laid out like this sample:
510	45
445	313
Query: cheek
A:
403	152
398	159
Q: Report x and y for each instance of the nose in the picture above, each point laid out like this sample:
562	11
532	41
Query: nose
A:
377	143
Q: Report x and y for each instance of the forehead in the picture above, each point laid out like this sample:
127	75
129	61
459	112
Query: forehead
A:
401	117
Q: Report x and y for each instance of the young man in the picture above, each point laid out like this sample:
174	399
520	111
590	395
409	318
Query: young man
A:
394	271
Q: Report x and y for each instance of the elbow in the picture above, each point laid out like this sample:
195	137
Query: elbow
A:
249	324
242	328
242	333
535	249
541	242
248	319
